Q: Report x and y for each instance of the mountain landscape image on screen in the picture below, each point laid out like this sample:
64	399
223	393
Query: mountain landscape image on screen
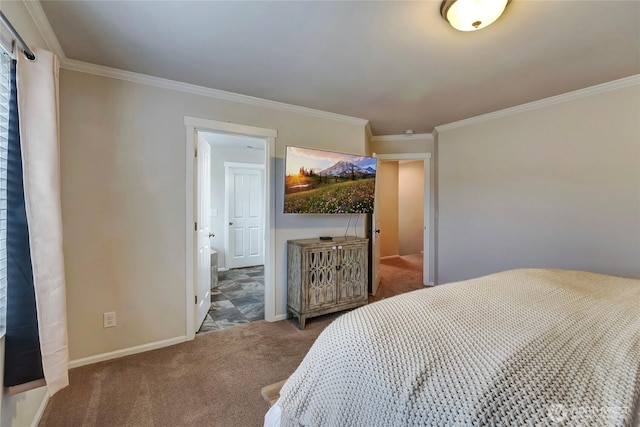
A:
326	182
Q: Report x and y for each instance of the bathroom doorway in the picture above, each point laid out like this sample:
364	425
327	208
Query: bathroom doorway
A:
238	137
237	229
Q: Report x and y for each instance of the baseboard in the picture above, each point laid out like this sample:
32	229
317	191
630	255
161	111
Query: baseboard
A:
41	408
389	257
222	269
279	317
126	352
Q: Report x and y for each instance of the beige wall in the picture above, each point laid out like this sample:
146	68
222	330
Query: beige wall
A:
123	202
557	186
400	145
410	207
388	192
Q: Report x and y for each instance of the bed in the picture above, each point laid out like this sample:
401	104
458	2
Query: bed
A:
521	347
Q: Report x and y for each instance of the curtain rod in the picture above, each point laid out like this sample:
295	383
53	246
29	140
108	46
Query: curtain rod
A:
25	48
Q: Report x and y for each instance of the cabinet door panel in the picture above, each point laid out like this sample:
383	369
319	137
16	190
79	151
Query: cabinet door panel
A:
321	278
351	272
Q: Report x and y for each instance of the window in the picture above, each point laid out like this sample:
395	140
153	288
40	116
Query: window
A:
5	67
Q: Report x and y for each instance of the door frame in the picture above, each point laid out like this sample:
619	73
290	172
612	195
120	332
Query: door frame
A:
227	166
193	126
426	245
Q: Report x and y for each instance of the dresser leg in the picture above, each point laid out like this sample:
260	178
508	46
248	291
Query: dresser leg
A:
301	322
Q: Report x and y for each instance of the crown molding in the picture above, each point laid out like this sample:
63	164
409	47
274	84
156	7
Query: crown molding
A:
546	102
42	23
402	137
44	27
368	132
114	73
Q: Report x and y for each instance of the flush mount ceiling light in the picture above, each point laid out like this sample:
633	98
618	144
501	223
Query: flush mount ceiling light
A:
472	15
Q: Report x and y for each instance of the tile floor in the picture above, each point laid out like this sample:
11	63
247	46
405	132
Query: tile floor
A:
238	298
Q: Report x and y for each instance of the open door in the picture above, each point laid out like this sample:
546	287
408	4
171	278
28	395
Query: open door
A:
425	253
203	267
375	243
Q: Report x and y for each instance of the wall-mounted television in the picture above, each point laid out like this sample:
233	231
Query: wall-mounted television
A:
327	182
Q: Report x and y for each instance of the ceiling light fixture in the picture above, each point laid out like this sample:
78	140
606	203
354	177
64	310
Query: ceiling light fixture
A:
472	15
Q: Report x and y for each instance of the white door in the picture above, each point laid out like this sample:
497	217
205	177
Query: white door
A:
245	215
375	243
203	267
426	256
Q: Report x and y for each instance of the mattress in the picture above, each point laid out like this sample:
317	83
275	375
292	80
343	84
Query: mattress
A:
522	347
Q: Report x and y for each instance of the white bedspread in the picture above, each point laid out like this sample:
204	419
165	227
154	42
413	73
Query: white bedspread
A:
529	346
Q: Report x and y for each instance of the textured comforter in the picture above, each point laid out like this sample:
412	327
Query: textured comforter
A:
523	347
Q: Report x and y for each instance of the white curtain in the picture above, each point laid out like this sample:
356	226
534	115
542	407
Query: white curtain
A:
37	83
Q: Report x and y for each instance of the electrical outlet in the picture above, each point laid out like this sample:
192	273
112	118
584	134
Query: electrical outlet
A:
109	319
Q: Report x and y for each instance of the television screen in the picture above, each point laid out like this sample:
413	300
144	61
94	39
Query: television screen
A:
319	182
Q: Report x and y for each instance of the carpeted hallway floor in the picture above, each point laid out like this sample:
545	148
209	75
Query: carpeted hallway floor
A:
399	275
214	380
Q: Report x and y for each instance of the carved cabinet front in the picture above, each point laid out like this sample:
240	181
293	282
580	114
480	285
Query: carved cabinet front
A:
326	276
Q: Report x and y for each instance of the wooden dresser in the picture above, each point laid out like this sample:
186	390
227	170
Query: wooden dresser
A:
325	276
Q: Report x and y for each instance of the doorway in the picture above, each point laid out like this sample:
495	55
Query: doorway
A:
258	143
237	230
401	225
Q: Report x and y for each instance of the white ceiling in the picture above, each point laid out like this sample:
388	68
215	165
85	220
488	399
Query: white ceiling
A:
395	63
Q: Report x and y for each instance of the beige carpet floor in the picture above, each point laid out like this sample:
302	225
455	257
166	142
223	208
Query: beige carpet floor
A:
214	380
399	275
